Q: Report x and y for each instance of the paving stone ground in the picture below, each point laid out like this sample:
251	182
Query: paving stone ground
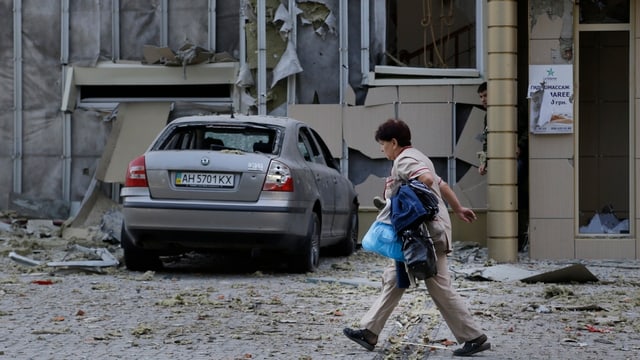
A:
227	308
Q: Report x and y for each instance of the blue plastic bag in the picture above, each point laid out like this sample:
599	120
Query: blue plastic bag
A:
381	238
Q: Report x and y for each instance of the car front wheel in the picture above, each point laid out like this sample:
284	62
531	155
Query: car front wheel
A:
307	258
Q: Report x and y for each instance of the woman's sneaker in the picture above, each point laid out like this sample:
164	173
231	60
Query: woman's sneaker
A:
364	337
379	202
473	347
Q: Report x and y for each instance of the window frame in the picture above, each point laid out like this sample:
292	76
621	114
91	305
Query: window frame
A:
312	152
380	76
632	181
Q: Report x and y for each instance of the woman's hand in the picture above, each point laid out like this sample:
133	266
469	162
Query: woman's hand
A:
466	214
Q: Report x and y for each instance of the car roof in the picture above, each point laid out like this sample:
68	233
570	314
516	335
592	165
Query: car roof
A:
261	119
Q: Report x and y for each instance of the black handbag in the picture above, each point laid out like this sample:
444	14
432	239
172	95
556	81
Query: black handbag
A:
412	208
419	252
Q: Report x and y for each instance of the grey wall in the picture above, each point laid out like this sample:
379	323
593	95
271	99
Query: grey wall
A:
32	136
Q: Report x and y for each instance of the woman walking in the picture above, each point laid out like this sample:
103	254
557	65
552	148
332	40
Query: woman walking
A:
394	137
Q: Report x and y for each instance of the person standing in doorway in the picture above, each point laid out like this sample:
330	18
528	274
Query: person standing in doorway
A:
482	156
394	137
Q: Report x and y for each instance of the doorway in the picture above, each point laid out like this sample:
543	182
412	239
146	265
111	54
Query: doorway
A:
604	127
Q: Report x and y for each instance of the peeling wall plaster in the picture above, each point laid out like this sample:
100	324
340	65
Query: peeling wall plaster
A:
319	15
549	8
556	10
316	49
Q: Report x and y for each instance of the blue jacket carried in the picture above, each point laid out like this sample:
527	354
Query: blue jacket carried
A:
407	210
413	204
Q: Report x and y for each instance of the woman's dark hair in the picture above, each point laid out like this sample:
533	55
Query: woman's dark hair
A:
394	129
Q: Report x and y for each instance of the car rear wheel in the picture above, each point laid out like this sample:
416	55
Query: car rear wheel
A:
347	245
307	258
135	258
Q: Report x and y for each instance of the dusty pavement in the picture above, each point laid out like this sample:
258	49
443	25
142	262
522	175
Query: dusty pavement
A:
230	307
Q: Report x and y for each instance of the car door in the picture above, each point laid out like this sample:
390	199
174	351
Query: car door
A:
324	178
340	188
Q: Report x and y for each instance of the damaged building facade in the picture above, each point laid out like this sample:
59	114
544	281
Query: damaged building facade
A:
88	84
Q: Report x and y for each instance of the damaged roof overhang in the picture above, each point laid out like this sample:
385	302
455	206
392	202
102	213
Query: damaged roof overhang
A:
385	75
134	73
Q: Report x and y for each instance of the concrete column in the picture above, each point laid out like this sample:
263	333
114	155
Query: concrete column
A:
502	61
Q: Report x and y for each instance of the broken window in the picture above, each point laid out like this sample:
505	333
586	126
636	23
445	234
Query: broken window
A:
604	12
440	34
604	197
207	137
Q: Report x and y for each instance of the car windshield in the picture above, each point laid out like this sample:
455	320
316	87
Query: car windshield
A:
243	137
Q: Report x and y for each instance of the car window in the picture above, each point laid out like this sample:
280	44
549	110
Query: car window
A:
247	138
180	140
311	151
304	147
238	140
312	145
330	160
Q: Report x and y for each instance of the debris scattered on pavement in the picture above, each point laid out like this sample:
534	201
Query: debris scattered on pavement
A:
211	301
573	342
106	259
430	346
591	328
43	282
575	273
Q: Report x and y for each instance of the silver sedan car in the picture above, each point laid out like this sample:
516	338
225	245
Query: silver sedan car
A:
233	182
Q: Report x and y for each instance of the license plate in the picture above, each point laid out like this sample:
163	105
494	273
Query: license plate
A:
204	179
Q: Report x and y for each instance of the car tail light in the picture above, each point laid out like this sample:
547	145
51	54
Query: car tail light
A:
278	178
136	173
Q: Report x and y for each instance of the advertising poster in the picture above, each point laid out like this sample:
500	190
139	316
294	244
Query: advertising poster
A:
551	94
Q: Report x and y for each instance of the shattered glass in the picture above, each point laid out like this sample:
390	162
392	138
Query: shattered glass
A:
604	12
